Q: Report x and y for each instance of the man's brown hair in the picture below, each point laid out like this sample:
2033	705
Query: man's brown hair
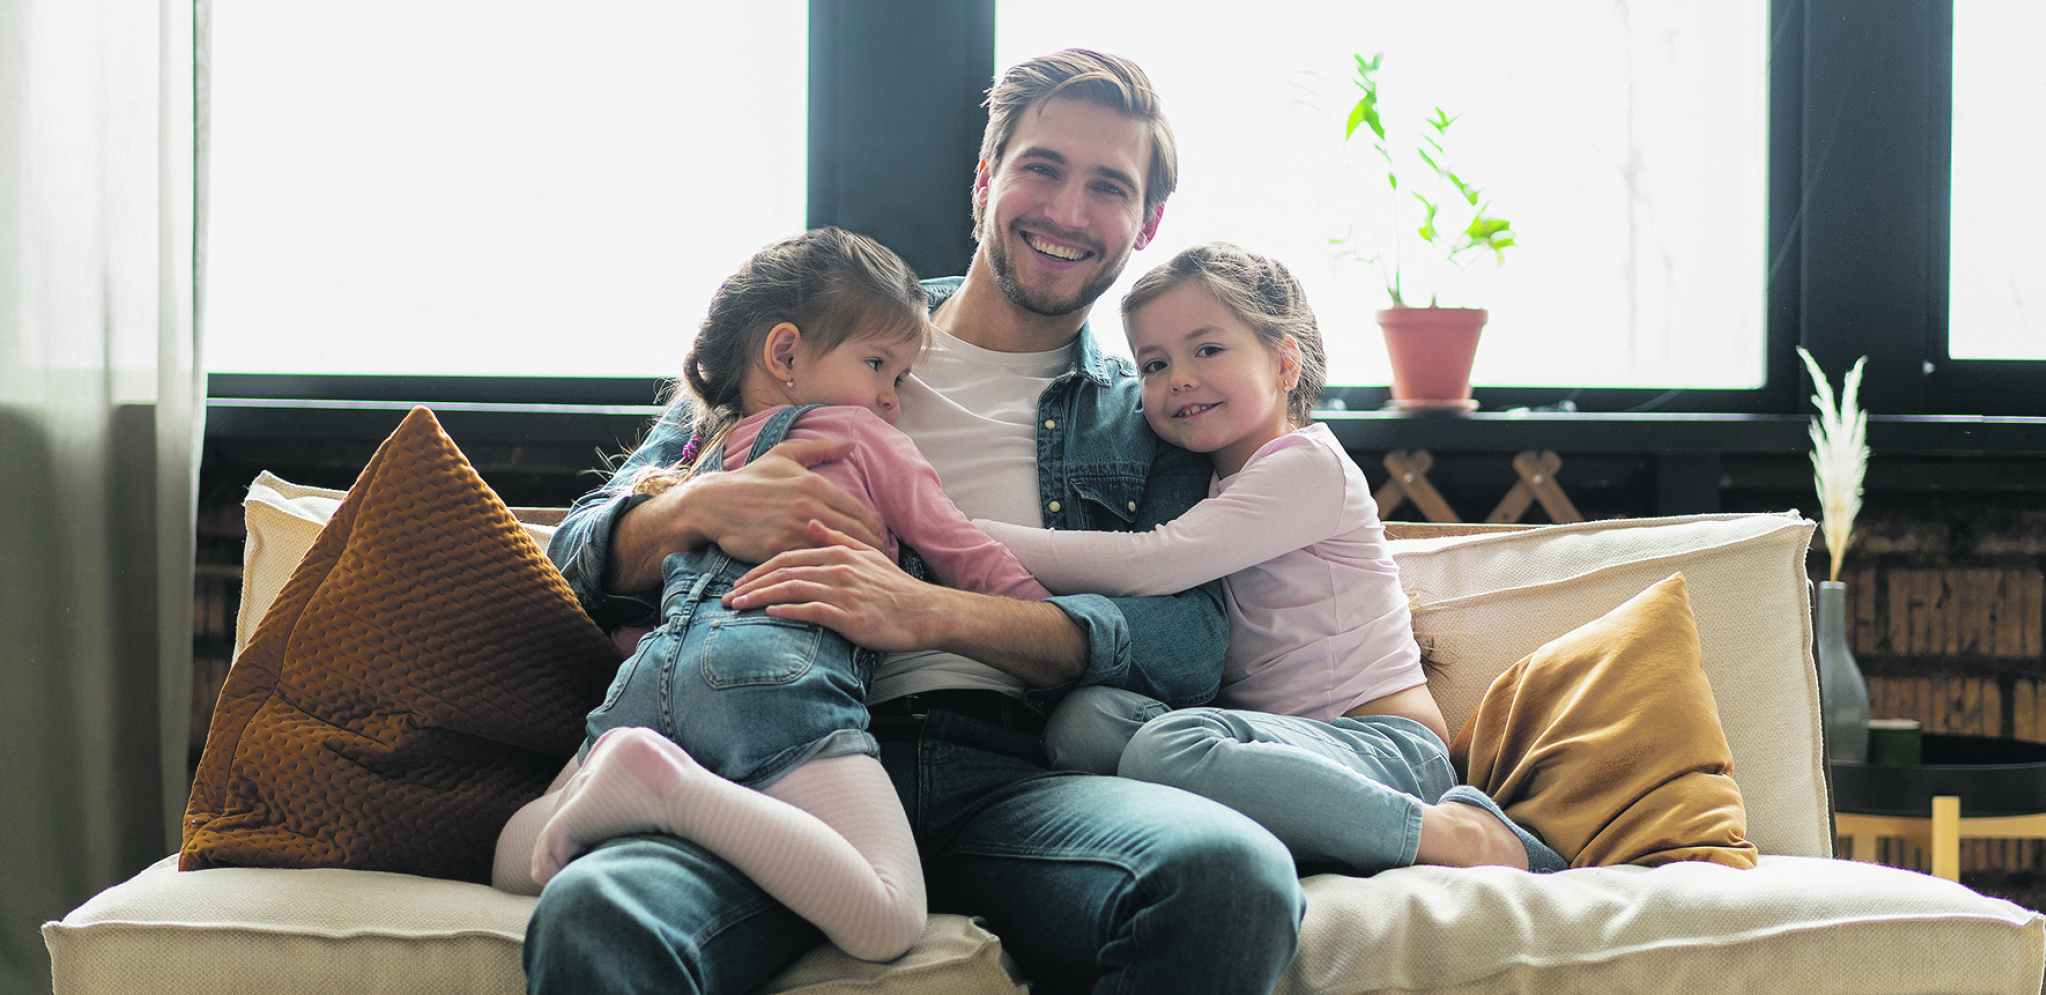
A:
1080	74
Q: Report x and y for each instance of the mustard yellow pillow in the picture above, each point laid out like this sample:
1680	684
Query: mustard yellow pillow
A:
423	673
1607	742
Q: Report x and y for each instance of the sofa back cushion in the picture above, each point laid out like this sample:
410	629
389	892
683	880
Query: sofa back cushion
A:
1606	741
1484	601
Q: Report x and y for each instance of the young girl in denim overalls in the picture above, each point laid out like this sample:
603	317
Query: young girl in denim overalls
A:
1333	741
743	732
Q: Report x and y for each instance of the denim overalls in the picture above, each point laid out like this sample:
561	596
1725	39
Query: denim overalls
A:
749	696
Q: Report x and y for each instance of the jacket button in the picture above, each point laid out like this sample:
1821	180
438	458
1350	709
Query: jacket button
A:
1133	507
1054	506
1051	423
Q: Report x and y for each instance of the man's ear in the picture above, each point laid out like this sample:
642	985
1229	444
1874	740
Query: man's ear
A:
982	176
778	352
1150	229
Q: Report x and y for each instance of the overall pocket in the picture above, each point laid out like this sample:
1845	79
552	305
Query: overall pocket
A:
752	649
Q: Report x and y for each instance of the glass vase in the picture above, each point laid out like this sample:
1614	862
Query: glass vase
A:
1843	693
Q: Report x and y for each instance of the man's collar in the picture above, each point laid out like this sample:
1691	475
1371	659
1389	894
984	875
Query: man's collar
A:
1088	359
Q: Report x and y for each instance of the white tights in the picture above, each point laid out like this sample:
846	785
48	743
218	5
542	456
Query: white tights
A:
829	839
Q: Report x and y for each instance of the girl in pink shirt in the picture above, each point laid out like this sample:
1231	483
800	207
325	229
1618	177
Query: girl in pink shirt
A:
1331	738
746	733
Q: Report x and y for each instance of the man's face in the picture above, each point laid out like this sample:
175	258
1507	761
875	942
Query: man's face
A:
1065	206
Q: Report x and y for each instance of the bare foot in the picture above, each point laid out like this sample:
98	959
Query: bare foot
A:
624	787
1458	835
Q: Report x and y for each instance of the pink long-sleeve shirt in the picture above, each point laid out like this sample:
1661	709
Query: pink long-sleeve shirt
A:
1318	621
889	474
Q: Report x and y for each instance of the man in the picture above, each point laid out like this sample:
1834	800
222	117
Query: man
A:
1093	883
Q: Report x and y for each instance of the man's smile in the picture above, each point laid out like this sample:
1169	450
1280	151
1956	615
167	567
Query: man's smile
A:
1053	249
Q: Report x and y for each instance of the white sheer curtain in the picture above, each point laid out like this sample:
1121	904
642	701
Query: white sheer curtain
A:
99	427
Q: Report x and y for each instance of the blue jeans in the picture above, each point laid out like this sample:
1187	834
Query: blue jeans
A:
1346	792
1094	884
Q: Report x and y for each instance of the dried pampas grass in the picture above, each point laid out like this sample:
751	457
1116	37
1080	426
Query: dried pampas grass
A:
1839	456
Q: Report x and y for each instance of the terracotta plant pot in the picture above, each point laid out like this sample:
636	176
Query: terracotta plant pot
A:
1431	350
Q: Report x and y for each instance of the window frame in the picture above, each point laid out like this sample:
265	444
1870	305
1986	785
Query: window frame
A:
895	126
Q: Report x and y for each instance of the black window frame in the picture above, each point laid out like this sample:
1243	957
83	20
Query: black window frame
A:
1859	167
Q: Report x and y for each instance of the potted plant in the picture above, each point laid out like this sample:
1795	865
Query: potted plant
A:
1443	223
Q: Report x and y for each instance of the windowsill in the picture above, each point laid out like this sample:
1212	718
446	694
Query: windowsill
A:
239	417
1673	432
1483	431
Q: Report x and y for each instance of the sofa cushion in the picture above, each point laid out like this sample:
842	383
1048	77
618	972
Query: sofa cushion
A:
282	519
1483	602
267	931
1607	742
423	673
1793	925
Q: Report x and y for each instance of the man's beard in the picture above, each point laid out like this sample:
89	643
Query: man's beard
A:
1023	297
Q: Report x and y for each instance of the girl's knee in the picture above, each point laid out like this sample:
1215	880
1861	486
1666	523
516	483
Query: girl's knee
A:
1172	745
1088	729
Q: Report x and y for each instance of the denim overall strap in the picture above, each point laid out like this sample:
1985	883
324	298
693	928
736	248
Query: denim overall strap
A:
772	433
680	605
775	430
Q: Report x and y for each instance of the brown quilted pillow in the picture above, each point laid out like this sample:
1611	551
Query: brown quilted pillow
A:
1606	740
423	673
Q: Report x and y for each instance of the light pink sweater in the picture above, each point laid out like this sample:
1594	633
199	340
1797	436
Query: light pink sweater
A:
888	474
1318	622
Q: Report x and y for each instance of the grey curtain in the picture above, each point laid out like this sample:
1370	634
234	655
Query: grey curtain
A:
100	416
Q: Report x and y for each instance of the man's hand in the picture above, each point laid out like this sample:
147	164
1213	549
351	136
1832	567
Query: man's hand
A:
754	512
848	586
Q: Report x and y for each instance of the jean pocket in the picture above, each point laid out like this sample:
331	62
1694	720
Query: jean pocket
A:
753	650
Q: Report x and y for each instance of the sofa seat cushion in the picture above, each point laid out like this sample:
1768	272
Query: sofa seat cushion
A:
1794	925
275	931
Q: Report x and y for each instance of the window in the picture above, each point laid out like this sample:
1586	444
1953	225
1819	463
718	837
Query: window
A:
1997	272
435	187
1628	146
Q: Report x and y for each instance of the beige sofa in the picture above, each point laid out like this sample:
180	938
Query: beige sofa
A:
1800	922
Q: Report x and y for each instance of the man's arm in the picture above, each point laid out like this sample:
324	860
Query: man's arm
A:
752	512
610	545
1168	647
850	587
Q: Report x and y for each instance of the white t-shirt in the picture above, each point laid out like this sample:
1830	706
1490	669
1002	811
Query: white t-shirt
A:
973	413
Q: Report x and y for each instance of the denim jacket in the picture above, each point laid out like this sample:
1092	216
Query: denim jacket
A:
1099	467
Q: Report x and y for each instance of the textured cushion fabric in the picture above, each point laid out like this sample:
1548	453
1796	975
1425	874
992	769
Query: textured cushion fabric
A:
423	673
1607	742
1483	602
266	931
282	520
1793	925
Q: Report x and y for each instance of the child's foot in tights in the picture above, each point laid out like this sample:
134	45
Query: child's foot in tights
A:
626	785
828	838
